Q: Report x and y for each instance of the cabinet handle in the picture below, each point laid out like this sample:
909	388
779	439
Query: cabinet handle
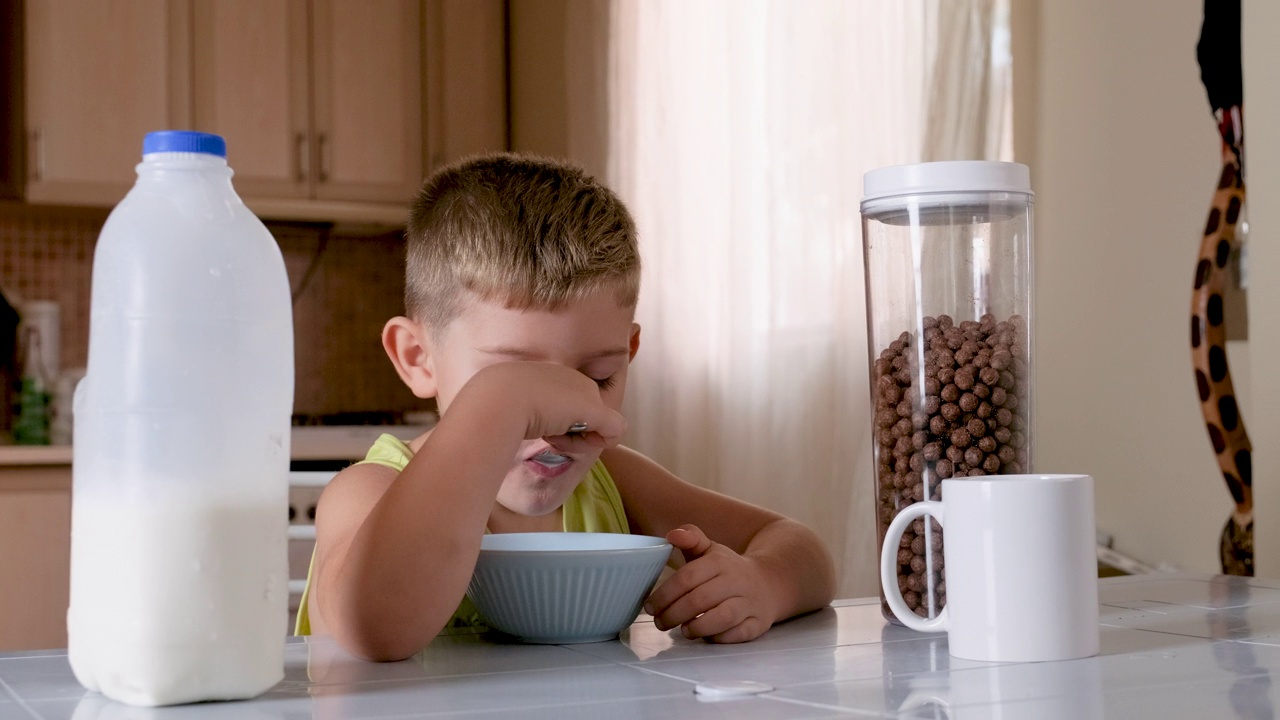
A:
323	140
36	156
302	158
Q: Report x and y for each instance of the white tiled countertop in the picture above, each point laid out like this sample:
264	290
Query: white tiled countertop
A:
1173	646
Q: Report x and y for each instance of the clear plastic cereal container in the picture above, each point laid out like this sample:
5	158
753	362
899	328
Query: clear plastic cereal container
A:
949	320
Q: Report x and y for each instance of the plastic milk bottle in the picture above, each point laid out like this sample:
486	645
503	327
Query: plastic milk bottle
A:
179	578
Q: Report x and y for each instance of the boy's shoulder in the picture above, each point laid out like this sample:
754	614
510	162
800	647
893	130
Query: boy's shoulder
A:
390	451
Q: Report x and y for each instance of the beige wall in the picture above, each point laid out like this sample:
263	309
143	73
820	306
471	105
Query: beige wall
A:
1124	158
1112	119
1261	25
559	76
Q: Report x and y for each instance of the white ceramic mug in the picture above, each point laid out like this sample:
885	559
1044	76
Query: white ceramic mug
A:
1020	565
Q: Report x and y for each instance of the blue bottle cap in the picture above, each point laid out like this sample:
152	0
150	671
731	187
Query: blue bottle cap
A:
184	141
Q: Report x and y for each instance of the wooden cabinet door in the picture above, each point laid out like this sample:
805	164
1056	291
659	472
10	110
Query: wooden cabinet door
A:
249	84
465	73
99	76
35	557
367	60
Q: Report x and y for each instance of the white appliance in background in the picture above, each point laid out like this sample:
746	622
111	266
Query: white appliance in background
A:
305	487
38	333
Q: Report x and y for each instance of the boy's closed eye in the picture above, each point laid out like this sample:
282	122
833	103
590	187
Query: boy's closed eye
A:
606	383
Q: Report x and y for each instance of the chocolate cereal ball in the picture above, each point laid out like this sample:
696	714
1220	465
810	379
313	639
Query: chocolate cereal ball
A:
947	404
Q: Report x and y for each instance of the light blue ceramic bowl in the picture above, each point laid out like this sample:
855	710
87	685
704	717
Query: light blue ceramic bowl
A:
560	588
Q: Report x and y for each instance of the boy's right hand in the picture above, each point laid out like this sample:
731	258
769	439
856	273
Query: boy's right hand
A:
550	398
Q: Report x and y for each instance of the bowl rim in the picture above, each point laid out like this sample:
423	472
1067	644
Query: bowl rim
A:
655	544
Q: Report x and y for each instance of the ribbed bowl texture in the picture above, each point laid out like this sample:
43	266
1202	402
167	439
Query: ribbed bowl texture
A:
560	588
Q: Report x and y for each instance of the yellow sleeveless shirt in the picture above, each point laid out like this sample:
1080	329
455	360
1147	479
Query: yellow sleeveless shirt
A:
594	506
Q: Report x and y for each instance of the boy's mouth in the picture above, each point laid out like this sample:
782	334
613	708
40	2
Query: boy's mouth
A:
551	459
548	464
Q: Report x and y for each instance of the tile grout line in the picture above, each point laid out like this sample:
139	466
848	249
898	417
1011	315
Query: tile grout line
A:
447	676
18	700
743	653
659	673
489	712
822	706
765	696
1254	643
601	662
1207	641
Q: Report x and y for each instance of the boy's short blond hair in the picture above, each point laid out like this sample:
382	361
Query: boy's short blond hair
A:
529	232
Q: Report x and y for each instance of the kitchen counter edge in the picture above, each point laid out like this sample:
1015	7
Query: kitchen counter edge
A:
307	443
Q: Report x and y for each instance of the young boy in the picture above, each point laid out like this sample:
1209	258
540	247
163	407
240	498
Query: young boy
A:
521	283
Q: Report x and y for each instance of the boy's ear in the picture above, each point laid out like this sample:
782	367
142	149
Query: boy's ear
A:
635	340
409	347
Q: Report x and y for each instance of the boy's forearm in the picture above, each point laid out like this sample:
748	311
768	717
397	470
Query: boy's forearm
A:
404	570
799	570
410	562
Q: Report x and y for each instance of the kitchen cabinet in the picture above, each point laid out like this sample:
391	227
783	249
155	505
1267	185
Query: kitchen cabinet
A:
250	85
35	555
98	76
12	146
368	135
333	110
290	85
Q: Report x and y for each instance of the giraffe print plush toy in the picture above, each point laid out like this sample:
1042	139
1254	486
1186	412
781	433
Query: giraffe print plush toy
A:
1219	55
1209	356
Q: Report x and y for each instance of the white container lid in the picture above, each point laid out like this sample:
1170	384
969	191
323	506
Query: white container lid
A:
947	177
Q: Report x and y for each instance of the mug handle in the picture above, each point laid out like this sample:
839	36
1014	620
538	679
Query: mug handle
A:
889	567
926	699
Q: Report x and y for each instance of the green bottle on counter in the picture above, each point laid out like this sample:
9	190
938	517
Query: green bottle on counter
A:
32	424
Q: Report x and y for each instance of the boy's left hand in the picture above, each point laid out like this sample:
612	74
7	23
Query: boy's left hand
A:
717	594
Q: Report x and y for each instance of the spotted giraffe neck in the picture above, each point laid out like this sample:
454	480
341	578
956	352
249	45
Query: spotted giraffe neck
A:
1218	404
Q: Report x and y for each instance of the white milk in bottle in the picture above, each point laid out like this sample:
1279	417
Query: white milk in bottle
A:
179	578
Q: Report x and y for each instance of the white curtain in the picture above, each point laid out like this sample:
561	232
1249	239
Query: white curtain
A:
739	133
968	93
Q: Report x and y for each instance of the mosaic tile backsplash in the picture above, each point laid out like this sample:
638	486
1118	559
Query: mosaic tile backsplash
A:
356	284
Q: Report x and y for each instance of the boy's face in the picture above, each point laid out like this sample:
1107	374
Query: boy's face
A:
593	335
